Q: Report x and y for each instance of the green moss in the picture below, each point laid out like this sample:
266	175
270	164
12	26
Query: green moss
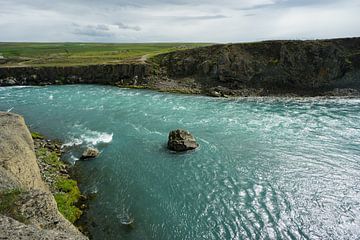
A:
180	90
66	190
36	135
135	86
67	198
50	158
8	206
274	61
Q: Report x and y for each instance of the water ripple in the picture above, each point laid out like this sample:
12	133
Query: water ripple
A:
267	168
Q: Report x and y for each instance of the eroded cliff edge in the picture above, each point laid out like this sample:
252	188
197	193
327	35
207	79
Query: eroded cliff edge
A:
304	68
33	211
270	67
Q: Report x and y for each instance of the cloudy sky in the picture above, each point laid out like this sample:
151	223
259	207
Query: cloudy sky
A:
177	20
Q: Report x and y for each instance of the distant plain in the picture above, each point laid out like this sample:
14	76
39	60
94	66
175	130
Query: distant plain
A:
72	54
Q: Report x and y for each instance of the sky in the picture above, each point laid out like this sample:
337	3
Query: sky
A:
212	21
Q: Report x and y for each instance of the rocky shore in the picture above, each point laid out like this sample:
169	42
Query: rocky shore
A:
37	195
269	68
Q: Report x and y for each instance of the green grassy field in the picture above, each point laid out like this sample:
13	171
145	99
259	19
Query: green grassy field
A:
68	54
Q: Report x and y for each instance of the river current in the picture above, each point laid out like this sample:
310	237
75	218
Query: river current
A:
266	168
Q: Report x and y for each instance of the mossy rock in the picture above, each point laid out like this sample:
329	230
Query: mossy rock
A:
9	206
36	135
67	198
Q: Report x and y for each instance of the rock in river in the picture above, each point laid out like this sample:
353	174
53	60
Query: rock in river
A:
181	140
90	153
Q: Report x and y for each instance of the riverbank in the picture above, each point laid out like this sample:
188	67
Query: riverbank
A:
37	194
269	68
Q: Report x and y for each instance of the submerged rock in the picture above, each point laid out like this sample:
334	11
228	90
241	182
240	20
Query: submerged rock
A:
90	153
181	140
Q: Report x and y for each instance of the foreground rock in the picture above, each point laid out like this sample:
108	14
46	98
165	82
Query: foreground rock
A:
31	211
181	140
90	153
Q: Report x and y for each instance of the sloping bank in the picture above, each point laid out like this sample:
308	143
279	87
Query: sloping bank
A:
28	209
303	68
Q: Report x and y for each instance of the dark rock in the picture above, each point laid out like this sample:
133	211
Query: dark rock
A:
90	153
9	81
181	140
214	93
306	68
343	92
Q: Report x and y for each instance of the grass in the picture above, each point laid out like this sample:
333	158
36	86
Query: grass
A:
36	135
50	158
8	206
69	54
66	191
67	197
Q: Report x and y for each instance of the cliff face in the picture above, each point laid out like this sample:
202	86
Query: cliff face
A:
262	68
101	74
272	66
28	209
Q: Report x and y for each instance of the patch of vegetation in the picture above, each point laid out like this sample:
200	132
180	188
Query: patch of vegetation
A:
274	61
348	61
36	135
67	198
66	191
50	158
73	54
8	206
180	90
134	86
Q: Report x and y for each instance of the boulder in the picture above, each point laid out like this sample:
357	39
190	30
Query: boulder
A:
181	140
90	153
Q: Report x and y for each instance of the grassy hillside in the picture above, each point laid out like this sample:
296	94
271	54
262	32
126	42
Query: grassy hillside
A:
67	54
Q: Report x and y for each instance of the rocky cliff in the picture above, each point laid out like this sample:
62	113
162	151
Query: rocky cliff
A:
27	208
319	67
270	67
101	74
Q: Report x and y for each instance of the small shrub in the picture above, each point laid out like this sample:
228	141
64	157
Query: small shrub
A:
8	205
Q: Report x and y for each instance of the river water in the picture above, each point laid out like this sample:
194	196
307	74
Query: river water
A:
266	168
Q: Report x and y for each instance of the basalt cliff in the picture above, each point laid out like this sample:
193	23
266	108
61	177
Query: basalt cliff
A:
303	68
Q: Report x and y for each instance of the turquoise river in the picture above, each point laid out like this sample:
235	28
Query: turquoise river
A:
266	168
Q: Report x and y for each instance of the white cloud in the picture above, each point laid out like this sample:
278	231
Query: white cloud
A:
177	20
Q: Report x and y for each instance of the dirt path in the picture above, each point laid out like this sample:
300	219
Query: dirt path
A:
144	58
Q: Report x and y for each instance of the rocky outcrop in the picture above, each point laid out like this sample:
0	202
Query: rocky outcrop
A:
270	67
89	153
181	140
113	74
17	154
33	211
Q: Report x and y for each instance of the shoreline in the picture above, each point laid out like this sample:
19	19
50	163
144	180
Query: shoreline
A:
37	194
270	68
61	178
349	93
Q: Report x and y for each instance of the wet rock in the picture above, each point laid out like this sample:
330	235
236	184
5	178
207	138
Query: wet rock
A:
181	140
214	93
339	92
9	81
90	153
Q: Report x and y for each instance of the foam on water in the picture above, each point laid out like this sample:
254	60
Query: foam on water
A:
90	138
